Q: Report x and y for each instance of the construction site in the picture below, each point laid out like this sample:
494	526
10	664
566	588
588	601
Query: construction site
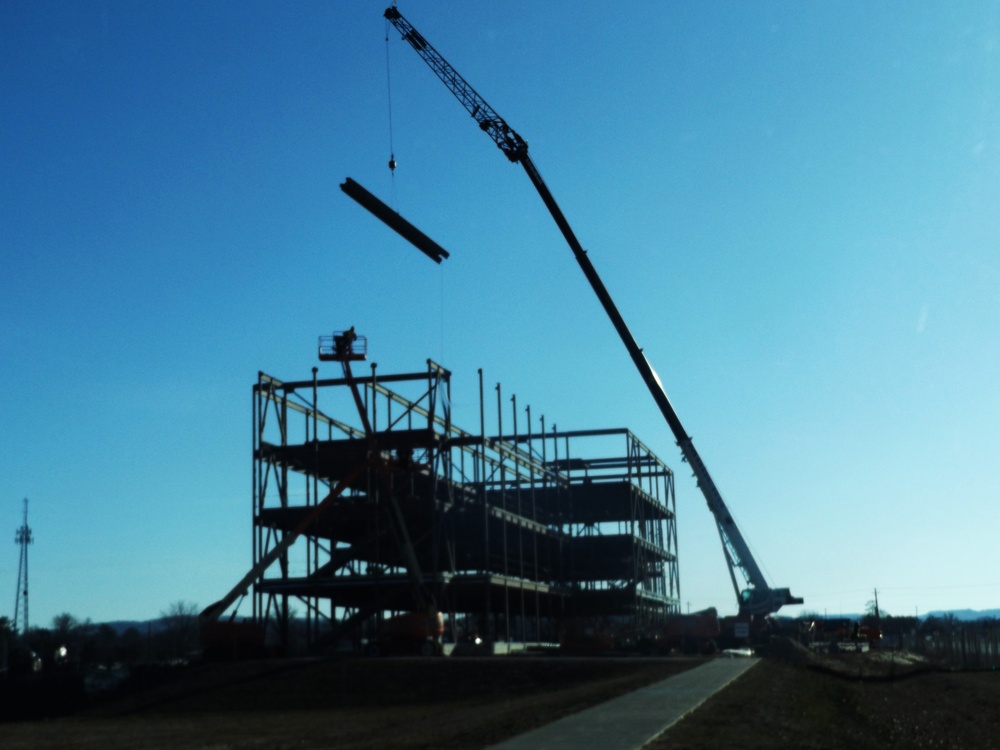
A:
527	536
400	531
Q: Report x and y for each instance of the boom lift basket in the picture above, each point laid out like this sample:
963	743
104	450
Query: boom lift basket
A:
343	346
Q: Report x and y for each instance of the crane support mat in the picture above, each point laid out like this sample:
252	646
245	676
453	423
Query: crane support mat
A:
394	221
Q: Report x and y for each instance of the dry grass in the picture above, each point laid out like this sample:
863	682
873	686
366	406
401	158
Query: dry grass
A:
849	701
351	704
791	700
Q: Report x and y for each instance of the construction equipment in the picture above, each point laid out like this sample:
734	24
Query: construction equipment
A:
214	611
416	632
344	347
755	597
412	632
587	636
407	634
693	633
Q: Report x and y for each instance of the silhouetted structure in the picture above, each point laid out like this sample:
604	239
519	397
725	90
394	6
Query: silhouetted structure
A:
22	538
511	535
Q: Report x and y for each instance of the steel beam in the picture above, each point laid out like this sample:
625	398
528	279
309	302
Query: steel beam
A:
394	221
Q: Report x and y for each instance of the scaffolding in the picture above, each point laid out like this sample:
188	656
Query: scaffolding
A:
515	536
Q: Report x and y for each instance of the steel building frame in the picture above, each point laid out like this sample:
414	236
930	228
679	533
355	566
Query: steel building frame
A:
511	535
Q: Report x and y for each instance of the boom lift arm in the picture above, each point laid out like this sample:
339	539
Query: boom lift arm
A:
340	347
756	597
214	611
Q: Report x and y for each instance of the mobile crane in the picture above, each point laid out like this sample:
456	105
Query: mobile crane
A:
755	597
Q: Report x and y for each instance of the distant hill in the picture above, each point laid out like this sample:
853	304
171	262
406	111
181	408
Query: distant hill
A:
146	627
962	615
966	615
143	626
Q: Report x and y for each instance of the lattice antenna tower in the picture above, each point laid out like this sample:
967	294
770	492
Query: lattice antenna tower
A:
22	538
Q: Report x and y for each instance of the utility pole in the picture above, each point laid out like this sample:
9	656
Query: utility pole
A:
22	538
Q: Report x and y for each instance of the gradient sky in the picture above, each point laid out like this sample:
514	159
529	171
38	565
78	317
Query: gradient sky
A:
795	206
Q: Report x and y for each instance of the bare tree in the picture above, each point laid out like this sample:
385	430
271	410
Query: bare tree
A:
180	629
64	625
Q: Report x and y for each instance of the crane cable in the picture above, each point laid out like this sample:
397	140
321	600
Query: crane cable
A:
388	84
392	165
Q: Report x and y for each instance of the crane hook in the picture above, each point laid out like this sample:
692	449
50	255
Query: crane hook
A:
392	162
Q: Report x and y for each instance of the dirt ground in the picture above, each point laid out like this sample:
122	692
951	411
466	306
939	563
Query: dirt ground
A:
789	700
879	700
356	704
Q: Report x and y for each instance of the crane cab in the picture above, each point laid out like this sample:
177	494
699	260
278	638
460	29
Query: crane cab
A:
343	346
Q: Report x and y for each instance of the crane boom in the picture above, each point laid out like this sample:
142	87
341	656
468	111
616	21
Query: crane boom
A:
756	597
513	145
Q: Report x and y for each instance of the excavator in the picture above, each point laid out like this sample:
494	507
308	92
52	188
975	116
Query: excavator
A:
755	597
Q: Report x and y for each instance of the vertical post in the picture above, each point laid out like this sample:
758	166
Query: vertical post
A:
480	474
545	463
500	453
503	501
374	403
314	614
534	534
517	443
566	538
254	502
283	610
520	527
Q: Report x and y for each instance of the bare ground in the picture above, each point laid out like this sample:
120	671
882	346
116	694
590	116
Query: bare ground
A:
878	700
791	700
351	704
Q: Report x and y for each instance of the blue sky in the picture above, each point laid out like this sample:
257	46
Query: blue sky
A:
793	204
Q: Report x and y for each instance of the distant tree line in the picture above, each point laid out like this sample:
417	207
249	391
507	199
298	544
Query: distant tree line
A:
971	644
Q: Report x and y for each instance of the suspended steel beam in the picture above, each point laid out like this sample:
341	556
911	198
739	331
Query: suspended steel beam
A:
394	221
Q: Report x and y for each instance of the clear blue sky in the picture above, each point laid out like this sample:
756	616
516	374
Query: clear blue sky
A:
795	206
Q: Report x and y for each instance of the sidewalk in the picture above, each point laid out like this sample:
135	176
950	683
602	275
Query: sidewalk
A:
630	721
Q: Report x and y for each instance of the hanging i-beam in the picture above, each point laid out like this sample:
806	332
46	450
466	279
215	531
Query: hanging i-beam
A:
394	221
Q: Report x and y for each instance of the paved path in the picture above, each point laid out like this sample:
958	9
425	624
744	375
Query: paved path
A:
630	721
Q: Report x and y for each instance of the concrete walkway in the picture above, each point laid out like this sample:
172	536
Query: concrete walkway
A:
632	720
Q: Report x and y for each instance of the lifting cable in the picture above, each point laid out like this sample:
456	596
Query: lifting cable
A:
388	85
392	162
